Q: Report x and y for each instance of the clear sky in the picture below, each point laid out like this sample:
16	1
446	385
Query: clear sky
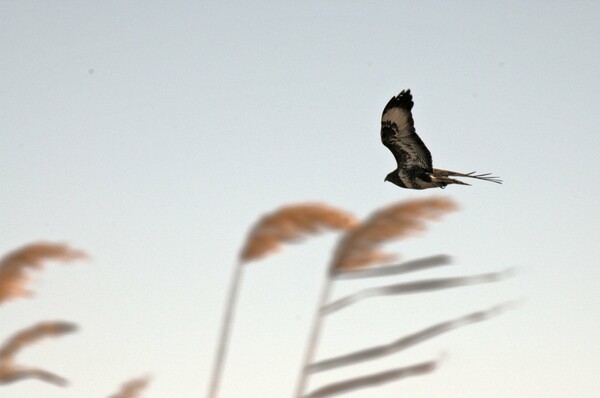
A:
153	134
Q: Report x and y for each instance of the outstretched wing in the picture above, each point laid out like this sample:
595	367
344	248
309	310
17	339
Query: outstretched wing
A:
398	134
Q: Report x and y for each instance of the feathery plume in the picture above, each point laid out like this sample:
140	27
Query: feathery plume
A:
132	388
287	224
13	266
291	223
359	247
32	335
9	372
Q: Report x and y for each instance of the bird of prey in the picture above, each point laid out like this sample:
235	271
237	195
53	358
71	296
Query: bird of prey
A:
415	170
10	373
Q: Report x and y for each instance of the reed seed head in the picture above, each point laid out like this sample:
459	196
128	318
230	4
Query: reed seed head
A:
132	388
359	247
26	337
291	224
13	266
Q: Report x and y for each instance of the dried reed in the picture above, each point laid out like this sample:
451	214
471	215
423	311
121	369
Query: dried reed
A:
410	340
287	224
359	247
290	224
375	379
422	286
132	388
9	372
13	266
403	268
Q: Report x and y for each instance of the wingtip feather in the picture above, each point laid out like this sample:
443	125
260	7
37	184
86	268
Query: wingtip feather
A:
402	100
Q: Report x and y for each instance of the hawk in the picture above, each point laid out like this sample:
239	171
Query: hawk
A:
414	170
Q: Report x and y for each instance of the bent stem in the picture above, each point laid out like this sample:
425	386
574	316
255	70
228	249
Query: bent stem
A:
219	362
315	334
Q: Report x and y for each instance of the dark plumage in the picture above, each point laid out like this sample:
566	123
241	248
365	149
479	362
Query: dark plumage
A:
415	170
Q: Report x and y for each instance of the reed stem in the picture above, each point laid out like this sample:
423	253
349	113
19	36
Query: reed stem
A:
226	326
315	334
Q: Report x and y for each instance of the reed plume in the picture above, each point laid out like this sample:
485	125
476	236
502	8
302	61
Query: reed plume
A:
359	247
13	266
410	340
285	225
132	388
9	372
290	224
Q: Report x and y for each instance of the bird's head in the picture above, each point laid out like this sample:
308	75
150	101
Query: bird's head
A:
394	179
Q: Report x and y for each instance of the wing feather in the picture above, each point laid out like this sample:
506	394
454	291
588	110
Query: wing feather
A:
399	136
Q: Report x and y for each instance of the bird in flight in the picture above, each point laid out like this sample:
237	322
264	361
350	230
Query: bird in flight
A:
415	170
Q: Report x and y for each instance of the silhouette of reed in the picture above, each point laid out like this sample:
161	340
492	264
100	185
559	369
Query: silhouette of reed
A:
10	373
14	266
132	388
288	224
360	248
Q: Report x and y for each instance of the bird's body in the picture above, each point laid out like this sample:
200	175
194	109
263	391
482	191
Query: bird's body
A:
414	170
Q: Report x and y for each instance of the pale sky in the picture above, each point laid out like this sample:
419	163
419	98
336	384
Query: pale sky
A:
153	134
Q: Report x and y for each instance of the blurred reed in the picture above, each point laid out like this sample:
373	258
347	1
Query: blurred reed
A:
406	267
132	388
423	286
359	248
374	379
9	372
409	340
14	266
288	224
291	224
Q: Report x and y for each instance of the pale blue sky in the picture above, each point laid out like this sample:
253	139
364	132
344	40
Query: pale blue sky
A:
153	134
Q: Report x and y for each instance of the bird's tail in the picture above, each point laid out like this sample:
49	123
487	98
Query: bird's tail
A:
440	174
442	181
